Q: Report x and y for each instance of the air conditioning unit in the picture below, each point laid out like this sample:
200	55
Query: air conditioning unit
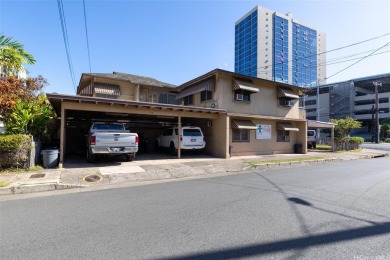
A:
214	105
239	97
288	103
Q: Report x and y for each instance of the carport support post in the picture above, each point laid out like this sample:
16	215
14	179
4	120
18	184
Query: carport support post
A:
179	138
62	136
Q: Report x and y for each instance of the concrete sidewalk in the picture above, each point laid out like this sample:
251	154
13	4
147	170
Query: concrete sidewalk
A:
82	175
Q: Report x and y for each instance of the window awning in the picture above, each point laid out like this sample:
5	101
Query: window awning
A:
204	85
243	124
286	127
106	89
244	85
288	93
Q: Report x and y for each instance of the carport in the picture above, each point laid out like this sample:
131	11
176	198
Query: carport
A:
312	124
77	112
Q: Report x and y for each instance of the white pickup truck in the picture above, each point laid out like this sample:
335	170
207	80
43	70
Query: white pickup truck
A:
110	139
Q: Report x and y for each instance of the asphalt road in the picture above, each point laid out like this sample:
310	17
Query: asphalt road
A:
381	146
336	210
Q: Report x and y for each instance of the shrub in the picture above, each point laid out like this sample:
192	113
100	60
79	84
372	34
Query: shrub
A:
345	139
357	139
28	117
387	140
348	143
14	150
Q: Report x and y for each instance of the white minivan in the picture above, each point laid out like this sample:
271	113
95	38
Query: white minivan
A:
311	139
191	138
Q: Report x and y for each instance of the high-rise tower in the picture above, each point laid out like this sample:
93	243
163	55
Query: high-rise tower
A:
277	47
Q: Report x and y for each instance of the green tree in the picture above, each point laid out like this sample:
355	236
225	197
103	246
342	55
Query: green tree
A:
385	128
343	126
13	56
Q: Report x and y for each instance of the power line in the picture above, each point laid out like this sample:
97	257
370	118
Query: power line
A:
86	35
348	56
336	49
66	40
342	61
336	60
356	62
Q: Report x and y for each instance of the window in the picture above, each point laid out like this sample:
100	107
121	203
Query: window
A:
283	101
283	136
206	95
166	98
106	96
192	132
168	132
310	102
189	100
240	135
242	95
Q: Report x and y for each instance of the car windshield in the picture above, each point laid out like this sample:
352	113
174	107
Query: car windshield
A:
191	132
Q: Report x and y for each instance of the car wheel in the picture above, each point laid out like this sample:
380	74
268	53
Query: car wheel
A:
314	145
130	157
156	147
172	149
90	157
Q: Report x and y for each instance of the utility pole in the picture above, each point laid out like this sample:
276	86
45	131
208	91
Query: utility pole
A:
376	84
373	124
318	108
318	102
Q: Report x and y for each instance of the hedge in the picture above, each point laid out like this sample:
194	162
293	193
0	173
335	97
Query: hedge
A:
348	143
14	151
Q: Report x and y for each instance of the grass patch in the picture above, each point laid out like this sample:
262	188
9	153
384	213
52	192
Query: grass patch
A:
4	183
354	151
287	160
323	147
17	171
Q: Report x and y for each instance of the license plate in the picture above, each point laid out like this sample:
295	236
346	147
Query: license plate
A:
115	149
193	140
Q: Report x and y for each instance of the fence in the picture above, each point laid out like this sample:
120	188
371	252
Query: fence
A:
35	152
324	140
346	146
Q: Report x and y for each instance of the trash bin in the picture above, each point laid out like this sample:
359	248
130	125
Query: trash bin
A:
298	148
50	158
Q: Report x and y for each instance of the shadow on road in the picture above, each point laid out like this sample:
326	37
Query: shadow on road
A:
290	244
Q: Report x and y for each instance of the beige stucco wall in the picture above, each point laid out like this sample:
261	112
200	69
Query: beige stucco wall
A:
264	103
269	146
215	132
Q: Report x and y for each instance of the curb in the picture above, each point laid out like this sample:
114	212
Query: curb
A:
265	166
22	189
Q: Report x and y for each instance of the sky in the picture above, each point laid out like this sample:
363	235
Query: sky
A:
176	41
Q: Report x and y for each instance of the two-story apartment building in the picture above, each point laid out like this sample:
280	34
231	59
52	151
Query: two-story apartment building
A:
238	114
262	116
